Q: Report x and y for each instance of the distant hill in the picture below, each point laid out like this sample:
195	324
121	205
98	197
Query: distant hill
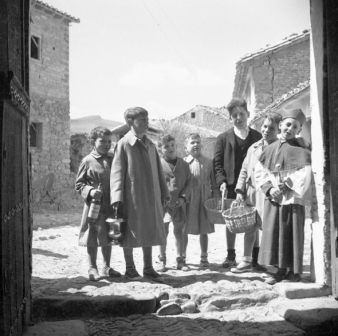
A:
86	124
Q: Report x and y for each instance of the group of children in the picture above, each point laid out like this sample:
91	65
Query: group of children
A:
151	192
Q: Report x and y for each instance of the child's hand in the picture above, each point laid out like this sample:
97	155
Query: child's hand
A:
95	193
117	209
179	202
240	198
275	192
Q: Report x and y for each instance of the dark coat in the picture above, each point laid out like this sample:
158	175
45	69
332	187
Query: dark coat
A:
94	169
179	182
138	181
224	160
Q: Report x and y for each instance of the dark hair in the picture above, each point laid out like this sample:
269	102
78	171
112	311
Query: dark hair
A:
191	135
98	132
235	103
164	138
133	112
274	117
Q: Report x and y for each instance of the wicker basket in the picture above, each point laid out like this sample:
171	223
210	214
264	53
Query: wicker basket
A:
213	209
240	217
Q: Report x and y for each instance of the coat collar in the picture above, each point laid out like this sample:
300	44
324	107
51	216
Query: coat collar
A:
190	158
97	155
132	139
166	167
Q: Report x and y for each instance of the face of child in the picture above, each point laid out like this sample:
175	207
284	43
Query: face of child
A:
194	147
169	149
140	124
269	130
240	117
102	144
289	128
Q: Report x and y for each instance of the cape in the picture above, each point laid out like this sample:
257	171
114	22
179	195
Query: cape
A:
284	156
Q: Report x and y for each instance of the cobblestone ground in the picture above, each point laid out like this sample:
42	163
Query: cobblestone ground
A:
60	269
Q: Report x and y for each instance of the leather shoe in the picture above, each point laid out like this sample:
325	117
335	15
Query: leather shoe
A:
111	273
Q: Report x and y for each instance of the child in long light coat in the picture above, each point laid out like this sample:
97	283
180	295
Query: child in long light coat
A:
203	187
139	191
247	191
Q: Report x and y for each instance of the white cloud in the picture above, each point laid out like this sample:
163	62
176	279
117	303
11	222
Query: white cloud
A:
155	76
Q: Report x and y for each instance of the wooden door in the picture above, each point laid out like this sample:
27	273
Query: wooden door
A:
16	216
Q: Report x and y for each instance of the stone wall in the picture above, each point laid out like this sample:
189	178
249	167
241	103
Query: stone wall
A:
207	119
49	78
280	72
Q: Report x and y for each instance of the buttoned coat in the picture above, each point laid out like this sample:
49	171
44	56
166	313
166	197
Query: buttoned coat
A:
137	180
203	187
94	169
246	183
179	182
224	159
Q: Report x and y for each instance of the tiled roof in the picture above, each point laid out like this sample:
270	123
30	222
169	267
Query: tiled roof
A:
45	5
271	48
273	106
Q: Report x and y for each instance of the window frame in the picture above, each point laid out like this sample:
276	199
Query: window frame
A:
38	45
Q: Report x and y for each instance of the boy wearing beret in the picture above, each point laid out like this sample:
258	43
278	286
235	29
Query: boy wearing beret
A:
286	181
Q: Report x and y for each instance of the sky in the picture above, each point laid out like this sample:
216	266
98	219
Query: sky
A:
167	55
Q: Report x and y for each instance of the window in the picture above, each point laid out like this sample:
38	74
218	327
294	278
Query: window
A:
35	47
35	135
193	115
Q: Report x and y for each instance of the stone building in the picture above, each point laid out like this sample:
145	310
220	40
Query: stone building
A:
49	92
267	74
299	97
215	119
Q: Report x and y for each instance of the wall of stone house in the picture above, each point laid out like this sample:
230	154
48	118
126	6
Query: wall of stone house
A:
207	120
49	77
321	263
280	72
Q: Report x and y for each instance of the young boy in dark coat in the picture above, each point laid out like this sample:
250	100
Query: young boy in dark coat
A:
95	169
287	185
230	152
179	182
139	190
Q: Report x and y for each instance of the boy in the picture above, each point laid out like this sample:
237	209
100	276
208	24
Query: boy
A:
230	151
287	184
138	192
203	187
246	188
95	169
179	182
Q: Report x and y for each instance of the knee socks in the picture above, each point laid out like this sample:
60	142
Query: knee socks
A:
147	257
106	254
231	254
128	257
255	252
91	256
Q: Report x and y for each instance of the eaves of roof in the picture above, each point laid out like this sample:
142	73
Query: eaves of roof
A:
286	42
52	10
243	64
278	102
